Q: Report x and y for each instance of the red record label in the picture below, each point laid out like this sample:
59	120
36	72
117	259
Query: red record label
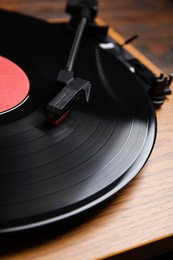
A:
14	85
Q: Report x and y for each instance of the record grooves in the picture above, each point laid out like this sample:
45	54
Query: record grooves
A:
50	173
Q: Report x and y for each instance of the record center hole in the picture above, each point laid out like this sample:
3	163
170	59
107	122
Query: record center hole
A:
14	86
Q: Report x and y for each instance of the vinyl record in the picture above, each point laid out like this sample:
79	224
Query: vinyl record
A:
50	173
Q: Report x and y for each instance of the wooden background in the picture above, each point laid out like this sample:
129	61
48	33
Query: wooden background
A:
138	223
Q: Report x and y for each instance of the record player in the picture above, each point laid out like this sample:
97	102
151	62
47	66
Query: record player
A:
83	123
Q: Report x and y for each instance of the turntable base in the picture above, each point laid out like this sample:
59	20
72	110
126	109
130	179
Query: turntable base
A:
138	221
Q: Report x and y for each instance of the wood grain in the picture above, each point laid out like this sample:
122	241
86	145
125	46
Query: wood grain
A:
139	220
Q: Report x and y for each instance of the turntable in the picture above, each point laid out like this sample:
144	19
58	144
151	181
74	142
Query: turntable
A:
77	119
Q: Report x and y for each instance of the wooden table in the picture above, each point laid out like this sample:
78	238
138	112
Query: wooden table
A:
138	222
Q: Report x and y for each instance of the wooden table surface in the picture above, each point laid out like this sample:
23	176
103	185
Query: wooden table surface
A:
138	222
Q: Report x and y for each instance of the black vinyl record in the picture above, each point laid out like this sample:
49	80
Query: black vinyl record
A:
50	173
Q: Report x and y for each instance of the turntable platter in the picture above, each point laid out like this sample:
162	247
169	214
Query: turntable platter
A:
50	173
